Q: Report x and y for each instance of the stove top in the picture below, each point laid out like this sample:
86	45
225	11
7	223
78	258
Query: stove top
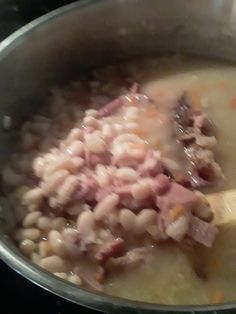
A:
17	294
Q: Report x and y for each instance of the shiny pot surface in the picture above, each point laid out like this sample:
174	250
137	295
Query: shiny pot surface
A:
58	46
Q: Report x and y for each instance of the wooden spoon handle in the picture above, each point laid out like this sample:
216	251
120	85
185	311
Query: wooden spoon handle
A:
223	205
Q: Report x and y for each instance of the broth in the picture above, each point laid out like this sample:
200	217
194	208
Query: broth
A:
67	165
169	277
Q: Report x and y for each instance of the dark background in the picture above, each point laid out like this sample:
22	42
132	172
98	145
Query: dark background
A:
18	295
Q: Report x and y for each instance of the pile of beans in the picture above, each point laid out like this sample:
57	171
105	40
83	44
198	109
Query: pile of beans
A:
76	182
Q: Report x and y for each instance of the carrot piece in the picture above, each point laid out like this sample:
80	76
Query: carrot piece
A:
214	265
202	87
139	132
176	212
160	93
232	103
217	297
99	277
195	100
223	85
154	142
139	146
151	112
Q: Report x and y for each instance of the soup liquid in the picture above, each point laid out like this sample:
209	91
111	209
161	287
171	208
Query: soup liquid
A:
170	276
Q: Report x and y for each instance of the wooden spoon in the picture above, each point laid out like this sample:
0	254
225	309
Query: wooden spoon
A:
223	205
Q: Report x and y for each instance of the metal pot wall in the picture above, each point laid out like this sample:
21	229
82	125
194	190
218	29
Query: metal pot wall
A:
58	46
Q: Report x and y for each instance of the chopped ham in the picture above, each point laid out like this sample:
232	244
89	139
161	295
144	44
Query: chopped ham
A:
88	272
194	130
110	108
202	232
161	184
113	248
131	258
87	189
151	166
177	195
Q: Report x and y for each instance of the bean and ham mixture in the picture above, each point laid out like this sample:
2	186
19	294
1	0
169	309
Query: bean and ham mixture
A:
108	181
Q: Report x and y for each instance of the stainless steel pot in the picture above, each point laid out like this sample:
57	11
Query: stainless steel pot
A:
58	46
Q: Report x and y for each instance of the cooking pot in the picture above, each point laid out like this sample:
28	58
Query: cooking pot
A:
57	47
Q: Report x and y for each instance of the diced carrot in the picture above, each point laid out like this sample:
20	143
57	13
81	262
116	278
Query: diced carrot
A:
139	132
223	85
160	93
195	100
154	142
151	112
176	212
217	297
202	87
99	277
232	103
214	265
139	146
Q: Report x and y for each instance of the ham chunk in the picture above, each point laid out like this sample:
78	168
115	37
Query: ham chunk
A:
110	108
113	248
202	232
177	195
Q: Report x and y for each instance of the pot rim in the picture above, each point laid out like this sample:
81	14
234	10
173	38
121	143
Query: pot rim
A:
42	278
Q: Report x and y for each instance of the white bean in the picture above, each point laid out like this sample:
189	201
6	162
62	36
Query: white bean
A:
103	176
127	174
91	121
56	242
61	275
131	113
58	223
127	219
33	199
27	247
108	204
127	137
141	190
76	148
107	131
32	234
75	279
31	219
54	181
53	264
44	223
85	222
35	258
75	134
144	219
95	144
45	249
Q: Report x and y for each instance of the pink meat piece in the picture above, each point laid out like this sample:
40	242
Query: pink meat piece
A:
202	232
151	166
161	184
113	248
123	190
177	195
92	160
134	88
88	129
87	272
87	189
110	108
102	193
131	258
